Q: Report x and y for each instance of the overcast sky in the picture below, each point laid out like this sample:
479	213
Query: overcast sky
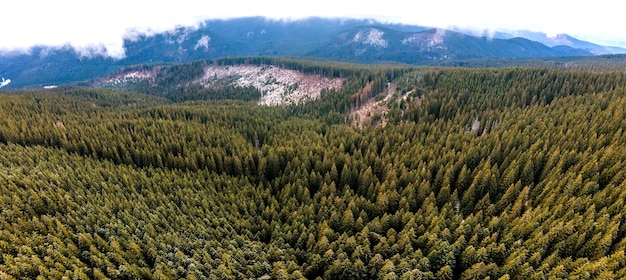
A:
104	24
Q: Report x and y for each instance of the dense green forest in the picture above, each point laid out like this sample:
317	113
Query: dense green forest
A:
512	173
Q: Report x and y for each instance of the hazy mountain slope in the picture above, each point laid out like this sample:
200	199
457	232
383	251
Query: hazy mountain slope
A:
276	37
566	40
562	40
376	43
343	39
44	66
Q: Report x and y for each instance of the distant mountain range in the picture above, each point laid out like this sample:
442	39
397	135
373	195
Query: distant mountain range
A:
550	41
362	41
565	40
376	43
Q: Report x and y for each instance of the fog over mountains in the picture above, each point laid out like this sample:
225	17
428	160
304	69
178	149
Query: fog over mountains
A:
361	41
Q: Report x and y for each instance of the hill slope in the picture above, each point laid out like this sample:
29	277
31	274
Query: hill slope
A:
266	84
479	173
374	43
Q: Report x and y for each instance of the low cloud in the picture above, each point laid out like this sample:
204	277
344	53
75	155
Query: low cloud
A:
91	28
100	27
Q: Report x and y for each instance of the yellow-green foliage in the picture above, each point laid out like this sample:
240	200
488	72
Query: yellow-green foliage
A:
506	174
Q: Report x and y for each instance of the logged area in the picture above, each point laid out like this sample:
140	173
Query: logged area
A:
278	86
475	174
265	83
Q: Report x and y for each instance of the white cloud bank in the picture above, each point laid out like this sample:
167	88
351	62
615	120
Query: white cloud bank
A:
100	26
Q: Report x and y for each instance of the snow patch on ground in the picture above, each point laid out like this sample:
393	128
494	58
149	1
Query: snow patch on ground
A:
426	39
203	42
182	38
372	36
4	82
128	78
278	86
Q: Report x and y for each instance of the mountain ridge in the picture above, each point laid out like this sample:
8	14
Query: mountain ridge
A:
257	36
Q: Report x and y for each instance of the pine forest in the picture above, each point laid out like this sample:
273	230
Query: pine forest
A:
511	173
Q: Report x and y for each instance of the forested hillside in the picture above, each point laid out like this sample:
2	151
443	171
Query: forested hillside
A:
478	173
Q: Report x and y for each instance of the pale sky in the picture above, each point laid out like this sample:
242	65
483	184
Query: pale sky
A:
103	24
